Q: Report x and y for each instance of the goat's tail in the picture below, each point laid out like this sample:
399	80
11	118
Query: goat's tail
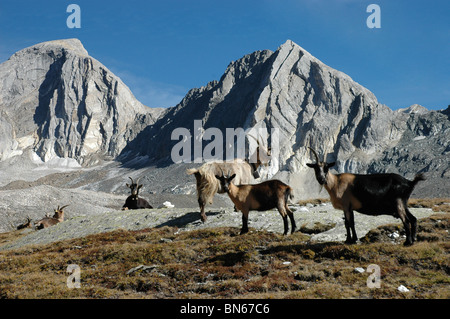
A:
419	177
288	194
191	171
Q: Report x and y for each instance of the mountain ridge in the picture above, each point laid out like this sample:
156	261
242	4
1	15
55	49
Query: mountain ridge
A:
73	108
60	102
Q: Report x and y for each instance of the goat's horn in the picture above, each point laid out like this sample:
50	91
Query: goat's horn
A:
63	207
137	181
259	144
257	141
131	180
253	138
315	154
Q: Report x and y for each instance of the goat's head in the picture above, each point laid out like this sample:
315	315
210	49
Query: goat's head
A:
59	212
225	181
320	168
134	186
263	156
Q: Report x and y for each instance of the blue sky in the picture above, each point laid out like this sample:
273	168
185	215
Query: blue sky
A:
161	49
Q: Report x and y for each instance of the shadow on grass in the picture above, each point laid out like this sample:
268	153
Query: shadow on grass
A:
188	218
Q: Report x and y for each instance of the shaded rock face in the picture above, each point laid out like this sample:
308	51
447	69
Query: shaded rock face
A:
61	103
228	103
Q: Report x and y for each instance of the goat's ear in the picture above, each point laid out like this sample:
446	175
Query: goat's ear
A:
139	186
331	164
310	165
231	177
128	185
218	177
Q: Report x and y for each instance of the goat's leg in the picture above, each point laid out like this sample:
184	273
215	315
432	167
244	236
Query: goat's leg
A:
282	211
350	227
285	224
291	217
413	223
244	228
201	203
401	212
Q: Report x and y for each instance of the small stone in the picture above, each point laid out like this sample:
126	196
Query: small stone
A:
359	270
402	288
167	205
394	235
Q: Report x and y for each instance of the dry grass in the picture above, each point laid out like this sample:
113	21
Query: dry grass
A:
218	263
437	204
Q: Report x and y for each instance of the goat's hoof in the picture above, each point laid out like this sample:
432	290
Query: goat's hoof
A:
407	243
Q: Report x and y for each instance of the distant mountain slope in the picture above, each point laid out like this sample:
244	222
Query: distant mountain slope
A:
58	102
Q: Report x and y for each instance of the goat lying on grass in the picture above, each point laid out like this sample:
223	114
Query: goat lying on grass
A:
45	222
133	201
26	224
261	197
374	194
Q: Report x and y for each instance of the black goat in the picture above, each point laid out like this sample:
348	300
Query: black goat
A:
374	194
133	201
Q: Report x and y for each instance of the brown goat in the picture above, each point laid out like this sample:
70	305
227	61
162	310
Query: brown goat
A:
57	218
261	197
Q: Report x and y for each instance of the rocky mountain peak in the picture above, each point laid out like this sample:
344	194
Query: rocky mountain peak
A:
414	109
58	102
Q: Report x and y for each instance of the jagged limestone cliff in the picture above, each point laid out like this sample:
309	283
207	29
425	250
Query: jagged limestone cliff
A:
58	102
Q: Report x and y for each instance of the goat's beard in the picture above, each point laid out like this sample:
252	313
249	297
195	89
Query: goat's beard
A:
321	188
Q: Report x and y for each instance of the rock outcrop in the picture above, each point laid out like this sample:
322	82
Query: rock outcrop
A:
58	102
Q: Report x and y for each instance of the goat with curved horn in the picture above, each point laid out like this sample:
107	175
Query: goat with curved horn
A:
208	185
369	194
134	201
315	154
263	196
26	224
57	218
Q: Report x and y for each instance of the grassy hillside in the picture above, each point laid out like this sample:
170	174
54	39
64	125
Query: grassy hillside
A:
217	263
